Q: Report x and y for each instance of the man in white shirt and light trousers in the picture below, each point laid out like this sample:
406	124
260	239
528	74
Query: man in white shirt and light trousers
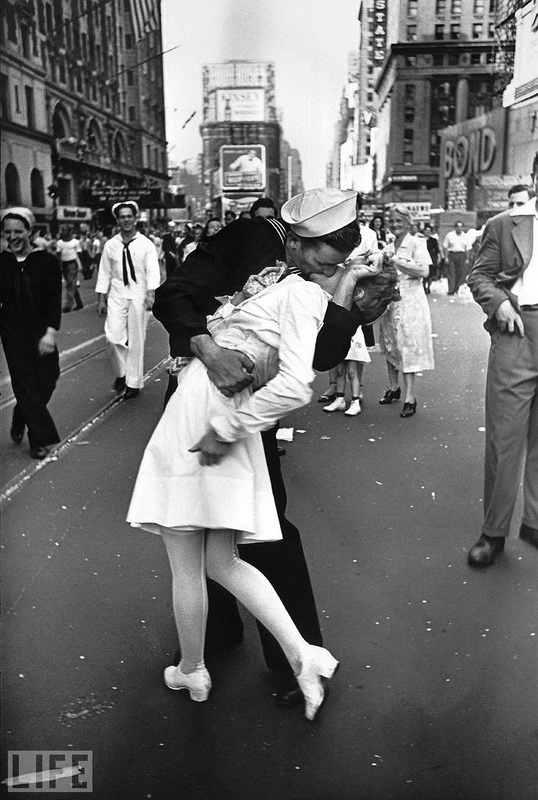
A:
128	276
504	281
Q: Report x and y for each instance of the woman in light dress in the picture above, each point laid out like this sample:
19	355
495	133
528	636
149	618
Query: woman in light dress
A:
405	332
203	483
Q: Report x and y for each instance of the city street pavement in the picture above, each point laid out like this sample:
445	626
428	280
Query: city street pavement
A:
436	698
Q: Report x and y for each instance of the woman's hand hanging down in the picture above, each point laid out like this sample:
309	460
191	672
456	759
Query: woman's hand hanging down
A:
211	449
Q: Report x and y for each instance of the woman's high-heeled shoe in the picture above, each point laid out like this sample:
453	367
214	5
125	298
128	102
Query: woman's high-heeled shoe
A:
328	396
198	682
409	409
390	395
316	664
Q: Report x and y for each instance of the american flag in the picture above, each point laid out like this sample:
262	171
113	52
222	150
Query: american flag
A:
145	17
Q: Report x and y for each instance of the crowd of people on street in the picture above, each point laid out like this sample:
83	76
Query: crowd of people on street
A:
253	304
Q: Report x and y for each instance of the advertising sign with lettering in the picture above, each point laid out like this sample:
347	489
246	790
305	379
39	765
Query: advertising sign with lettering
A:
145	196
242	167
379	30
240	105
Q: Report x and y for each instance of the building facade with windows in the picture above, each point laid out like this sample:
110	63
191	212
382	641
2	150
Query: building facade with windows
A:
439	70
82	105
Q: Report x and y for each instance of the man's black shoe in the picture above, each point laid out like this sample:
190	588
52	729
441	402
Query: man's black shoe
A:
529	535
485	551
119	384
290	697
16	434
129	393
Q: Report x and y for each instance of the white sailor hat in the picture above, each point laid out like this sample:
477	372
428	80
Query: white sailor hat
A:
318	212
21	212
130	203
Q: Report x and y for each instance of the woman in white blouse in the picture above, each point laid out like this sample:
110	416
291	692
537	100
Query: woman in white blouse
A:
406	329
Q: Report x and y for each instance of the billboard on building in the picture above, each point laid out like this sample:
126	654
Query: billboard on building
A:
240	105
242	167
379	30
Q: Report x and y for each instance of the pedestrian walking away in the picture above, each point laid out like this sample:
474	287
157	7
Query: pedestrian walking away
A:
128	276
320	226
30	314
504	281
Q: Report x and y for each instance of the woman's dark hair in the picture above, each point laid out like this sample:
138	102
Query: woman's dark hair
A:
204	237
344	240
262	202
379	292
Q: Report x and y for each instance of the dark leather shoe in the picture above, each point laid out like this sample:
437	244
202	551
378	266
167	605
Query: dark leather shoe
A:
119	384
290	697
408	409
16	434
390	395
38	452
129	393
485	551
327	397
529	535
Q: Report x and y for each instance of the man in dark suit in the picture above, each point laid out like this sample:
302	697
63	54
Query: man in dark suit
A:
321	225
504	280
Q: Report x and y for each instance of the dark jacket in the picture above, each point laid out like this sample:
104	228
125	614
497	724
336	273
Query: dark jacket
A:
30	292
221	266
504	253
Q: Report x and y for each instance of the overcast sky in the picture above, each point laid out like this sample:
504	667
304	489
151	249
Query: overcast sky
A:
307	40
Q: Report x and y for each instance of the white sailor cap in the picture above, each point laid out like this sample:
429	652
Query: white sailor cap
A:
130	203
21	212
318	212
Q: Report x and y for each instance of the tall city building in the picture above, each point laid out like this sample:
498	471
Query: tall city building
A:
82	106
242	155
438	70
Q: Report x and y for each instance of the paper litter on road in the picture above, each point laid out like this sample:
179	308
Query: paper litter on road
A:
285	434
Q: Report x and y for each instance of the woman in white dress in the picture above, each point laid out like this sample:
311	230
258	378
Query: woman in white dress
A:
203	483
405	332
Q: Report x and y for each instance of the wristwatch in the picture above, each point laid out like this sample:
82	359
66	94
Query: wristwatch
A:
177	364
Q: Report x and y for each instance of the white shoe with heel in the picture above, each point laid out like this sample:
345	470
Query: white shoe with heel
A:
316	664
198	682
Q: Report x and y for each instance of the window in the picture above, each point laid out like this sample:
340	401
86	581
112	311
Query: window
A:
13	186
491	30
478	7
409	135
410	92
408	154
11	22
410	61
48	14
4	97
61	69
493	6
148	156
132	114
438	59
37	188
455	30
475	59
439	32
17	101
25	41
409	116
478	30
440	7
130	77
490	57
412	8
455	7
128	41
41	17
411	33
30	106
